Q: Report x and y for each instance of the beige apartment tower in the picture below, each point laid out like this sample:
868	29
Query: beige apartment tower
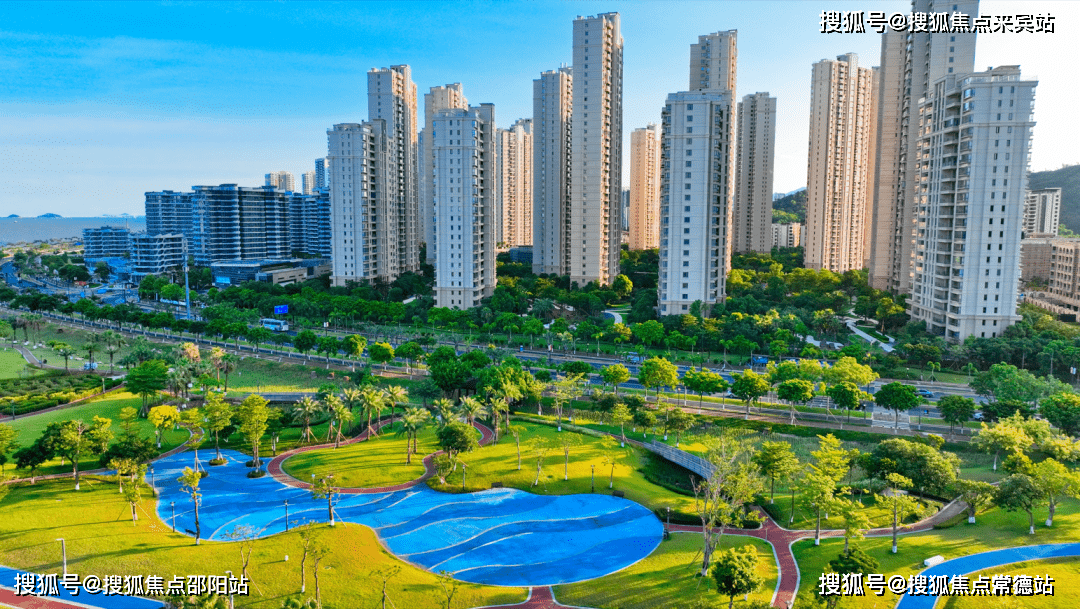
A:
514	185
552	105
839	166
438	98
645	188
392	99
752	216
713	62
1042	212
594	211
910	63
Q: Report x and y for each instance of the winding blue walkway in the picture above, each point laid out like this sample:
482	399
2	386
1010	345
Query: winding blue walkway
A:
502	537
986	560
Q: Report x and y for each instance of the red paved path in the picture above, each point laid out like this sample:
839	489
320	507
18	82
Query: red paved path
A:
275	470
8	599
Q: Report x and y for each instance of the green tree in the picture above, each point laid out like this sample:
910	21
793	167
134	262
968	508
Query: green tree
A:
146	380
621	415
381	353
305	341
854	516
897	397
976	494
456	437
680	421
956	410
254	415
395	395
703	381
849	370
615	375
1001	437
901	504
305	411
657	372
410	352
1019	492
851	560
749	387
1055	482
163	417
354	345
218	416
8	436
795	391
846	395
1063	412
776	461
622	286
189	482
736	573
649	332
324	489
1004	382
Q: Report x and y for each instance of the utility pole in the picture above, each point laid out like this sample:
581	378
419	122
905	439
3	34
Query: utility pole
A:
187	292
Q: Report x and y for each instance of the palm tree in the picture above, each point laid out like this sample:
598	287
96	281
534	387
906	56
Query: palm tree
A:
410	422
395	394
470	408
351	397
65	351
498	406
228	365
92	346
445	408
304	412
371	404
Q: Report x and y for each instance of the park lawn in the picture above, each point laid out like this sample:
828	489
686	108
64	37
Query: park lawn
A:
668	578
880	515
377	462
109	407
13	365
993	530
1065	571
101	540
498	463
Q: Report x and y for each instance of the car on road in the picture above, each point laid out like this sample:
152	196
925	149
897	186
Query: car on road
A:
634	358
924	393
978	416
90	366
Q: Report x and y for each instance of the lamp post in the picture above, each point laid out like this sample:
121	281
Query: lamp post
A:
153	480
286	515
172	504
230	593
592	467
667	527
63	550
463	466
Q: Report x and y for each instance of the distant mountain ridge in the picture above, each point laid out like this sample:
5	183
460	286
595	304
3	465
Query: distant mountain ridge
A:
50	216
1068	180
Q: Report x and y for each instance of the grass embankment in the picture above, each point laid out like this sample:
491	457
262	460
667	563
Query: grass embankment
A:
30	428
668	578
377	462
13	365
498	463
96	522
993	530
1066	574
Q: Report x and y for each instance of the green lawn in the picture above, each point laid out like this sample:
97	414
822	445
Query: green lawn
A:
498	463
994	529
379	461
668	578
101	540
13	365
1066	574
30	428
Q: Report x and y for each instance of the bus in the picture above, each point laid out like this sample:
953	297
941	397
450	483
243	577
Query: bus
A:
277	325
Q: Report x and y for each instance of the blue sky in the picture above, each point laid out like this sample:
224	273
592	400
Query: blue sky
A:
100	102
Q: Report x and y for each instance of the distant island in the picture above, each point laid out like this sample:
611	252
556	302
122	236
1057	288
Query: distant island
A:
14	216
50	216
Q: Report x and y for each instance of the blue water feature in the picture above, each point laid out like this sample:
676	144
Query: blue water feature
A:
986	560
502	537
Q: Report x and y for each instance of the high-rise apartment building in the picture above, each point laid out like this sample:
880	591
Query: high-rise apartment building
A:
645	188
839	172
788	234
282	180
321	173
308	182
364	223
696	184
910	62
714	62
552	105
463	147
438	98
155	254
106	242
514	185
752	214
169	212
231	222
1042	211
972	177
392	99
309	224
594	209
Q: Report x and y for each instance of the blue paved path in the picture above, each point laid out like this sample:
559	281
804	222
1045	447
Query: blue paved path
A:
502	537
986	560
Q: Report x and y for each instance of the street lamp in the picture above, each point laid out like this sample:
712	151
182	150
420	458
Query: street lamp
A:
172	504
286	515
63	550
230	590
463	476
667	527
592	466
153	480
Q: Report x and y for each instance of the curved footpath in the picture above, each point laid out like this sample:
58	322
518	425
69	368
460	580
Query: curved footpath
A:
275	469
